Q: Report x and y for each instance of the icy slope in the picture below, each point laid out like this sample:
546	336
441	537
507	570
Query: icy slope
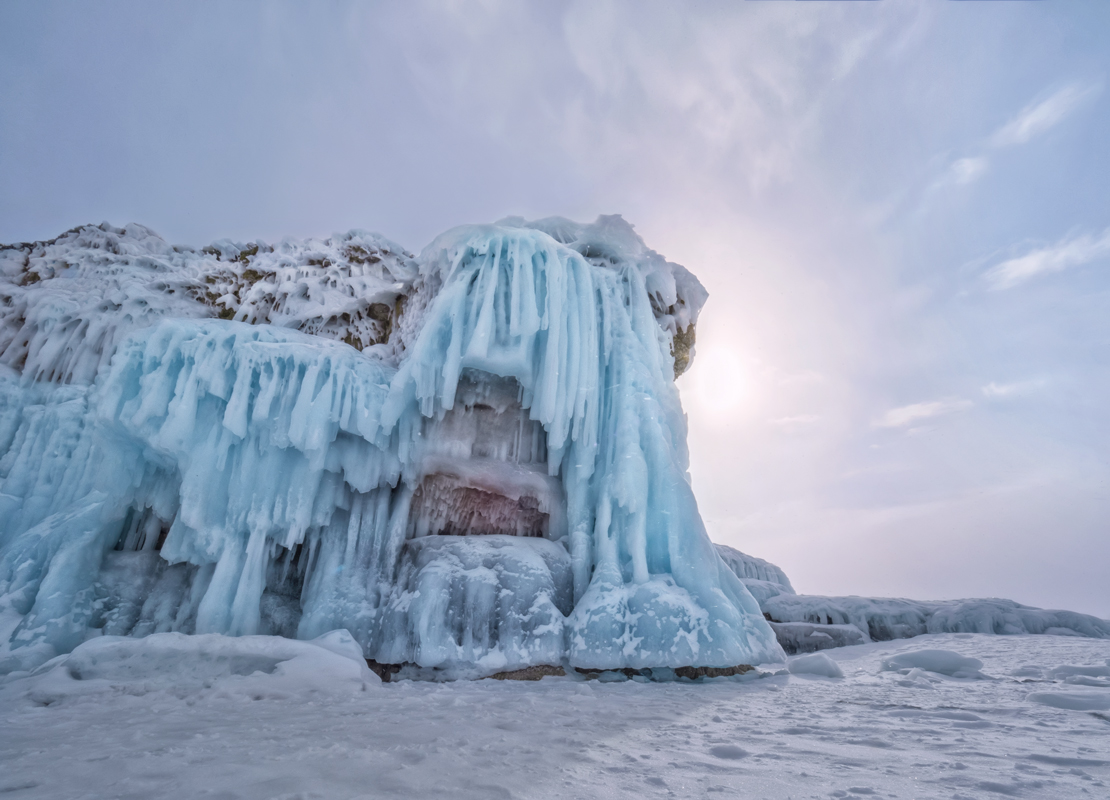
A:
210	476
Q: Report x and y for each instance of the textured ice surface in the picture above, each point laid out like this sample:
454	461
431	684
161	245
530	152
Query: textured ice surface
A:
474	460
497	602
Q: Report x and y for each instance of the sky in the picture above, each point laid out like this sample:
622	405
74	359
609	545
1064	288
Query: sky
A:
901	211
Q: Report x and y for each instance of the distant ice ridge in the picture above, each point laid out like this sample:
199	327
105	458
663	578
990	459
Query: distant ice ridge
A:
493	475
883	618
806	623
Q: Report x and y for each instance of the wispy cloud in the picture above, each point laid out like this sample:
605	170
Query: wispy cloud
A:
1042	115
967	170
1033	120
907	415
995	390
1071	251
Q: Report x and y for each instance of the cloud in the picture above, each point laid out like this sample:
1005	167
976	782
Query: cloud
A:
961	172
1030	122
967	170
994	390
1071	251
905	415
1038	117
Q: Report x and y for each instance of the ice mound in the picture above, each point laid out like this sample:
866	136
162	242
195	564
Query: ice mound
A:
258	666
814	664
474	460
941	662
1073	701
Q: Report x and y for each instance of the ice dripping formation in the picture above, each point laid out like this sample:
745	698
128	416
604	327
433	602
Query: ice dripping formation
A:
473	460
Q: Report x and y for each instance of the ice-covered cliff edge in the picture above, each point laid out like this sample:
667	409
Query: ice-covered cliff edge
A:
474	460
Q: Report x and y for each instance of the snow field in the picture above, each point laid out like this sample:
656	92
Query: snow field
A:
782	735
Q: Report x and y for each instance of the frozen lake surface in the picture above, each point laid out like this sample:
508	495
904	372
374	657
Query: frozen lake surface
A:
1033	722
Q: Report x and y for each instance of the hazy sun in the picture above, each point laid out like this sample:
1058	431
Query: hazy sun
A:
717	383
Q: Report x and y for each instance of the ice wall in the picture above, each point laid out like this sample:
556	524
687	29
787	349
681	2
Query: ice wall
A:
497	480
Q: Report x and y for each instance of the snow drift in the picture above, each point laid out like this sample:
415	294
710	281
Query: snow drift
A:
474	460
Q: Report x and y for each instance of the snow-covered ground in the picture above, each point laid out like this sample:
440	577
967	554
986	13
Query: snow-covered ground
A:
1033	721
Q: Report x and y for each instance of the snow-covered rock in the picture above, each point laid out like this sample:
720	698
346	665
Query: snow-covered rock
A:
68	303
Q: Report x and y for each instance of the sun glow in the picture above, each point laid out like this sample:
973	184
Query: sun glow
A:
718	383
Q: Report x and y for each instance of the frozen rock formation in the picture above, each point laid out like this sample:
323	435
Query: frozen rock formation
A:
806	623
473	460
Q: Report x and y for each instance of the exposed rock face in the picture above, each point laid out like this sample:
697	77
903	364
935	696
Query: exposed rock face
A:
682	348
534	673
